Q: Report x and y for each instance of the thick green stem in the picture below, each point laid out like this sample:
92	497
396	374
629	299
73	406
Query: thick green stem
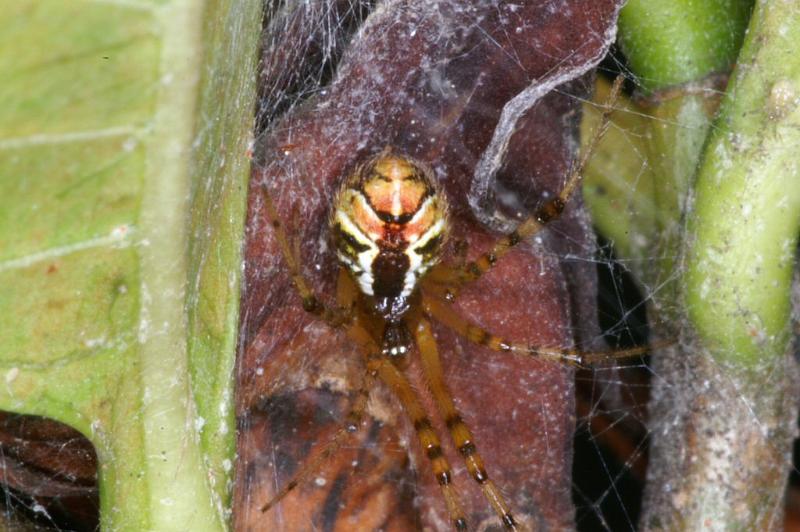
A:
724	406
669	42
744	225
727	410
677	50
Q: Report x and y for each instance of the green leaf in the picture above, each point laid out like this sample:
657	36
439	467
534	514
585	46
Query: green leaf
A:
123	162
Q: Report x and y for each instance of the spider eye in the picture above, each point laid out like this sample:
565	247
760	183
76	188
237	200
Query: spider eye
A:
388	224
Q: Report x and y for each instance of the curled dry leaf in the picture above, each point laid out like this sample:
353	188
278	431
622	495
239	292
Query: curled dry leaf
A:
465	87
51	465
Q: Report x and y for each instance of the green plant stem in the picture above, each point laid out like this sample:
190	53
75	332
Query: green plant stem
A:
669	42
218	199
712	235
674	49
743	228
740	246
724	405
678	46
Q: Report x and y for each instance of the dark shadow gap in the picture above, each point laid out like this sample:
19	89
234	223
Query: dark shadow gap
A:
611	449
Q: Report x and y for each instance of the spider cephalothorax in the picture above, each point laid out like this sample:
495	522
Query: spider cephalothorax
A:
388	224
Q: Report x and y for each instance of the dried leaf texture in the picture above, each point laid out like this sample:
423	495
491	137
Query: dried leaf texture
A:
432	79
52	466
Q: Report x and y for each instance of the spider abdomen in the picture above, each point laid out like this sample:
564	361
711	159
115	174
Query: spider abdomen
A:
388	222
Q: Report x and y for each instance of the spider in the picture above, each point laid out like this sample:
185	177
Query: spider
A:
388	223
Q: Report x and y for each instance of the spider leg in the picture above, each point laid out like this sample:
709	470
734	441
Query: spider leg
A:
380	367
428	439
311	303
459	432
546	213
442	312
352	424
345	297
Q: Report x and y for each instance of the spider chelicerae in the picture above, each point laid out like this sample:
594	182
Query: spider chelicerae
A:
388	222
